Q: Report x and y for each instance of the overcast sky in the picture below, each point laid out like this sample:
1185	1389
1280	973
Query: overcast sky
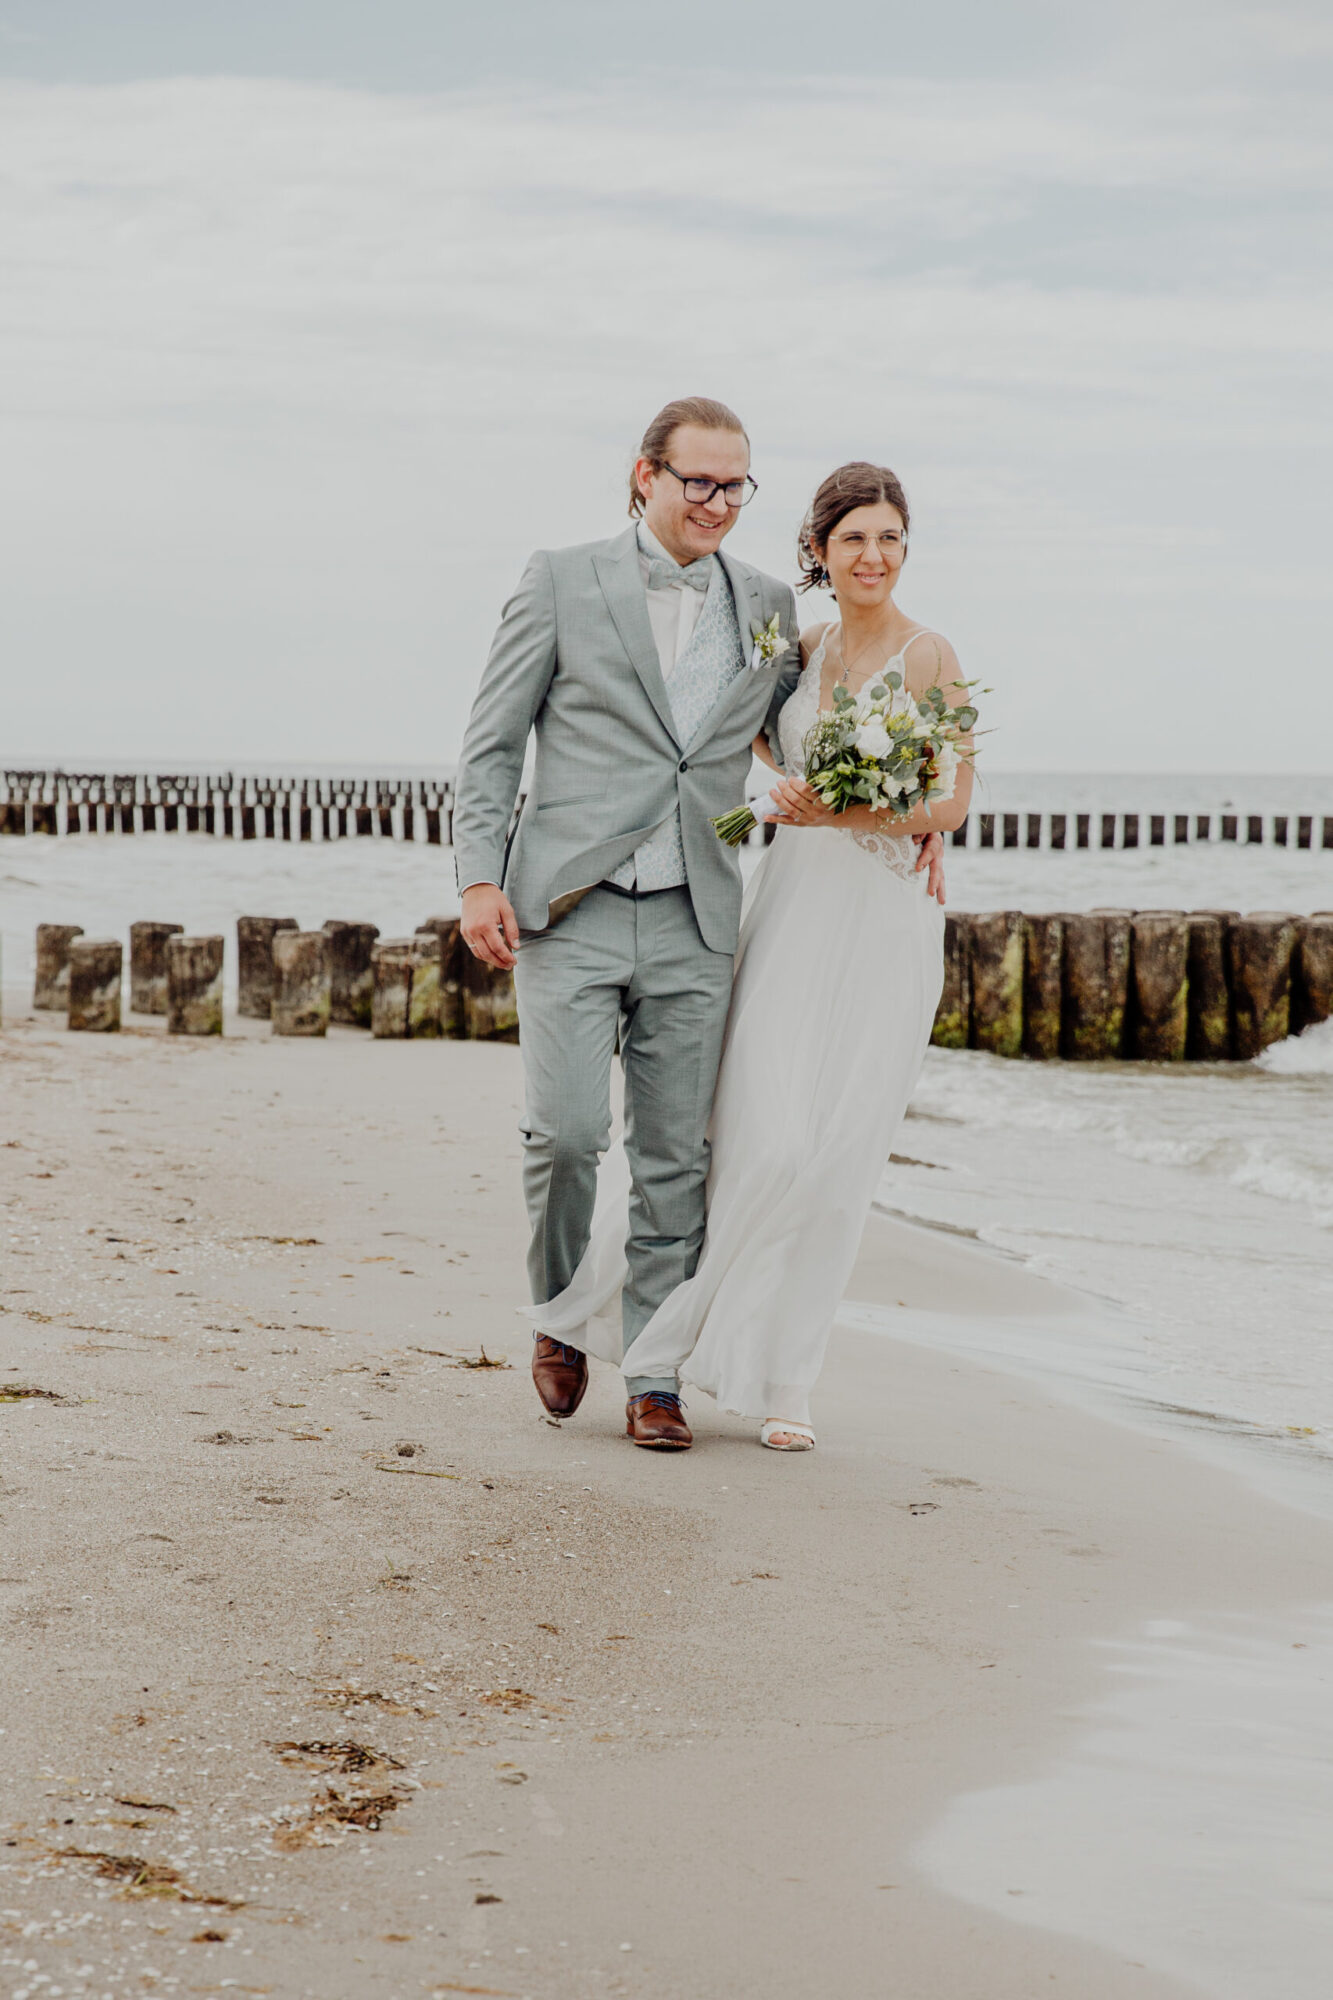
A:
316	318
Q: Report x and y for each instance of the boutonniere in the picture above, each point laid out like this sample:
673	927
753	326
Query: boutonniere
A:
769	646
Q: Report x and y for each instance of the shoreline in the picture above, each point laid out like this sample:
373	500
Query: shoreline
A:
707	1708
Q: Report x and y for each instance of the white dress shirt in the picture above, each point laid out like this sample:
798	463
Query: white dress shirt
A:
673	610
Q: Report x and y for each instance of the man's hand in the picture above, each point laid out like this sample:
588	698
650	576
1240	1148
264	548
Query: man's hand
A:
490	928
930	854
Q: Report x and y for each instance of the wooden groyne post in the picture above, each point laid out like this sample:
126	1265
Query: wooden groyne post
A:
96	969
1261	949
194	985
148	966
302	988
406	1003
1316	968
254	963
51	987
1159	987
351	975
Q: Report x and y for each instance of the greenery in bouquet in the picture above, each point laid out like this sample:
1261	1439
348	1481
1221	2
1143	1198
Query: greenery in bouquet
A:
884	748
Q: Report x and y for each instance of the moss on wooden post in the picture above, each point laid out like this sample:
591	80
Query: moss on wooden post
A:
1260	950
1096	985
995	961
148	966
424	1021
1315	969
302	998
254	963
393	962
95	970
452	954
1043	985
51	986
351	977
1209	1034
953	1014
194	985
490	1008
1159	1014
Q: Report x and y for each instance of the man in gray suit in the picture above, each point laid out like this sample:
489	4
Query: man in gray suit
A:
638	663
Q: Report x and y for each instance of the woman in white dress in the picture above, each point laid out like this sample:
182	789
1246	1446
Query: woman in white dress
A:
838	977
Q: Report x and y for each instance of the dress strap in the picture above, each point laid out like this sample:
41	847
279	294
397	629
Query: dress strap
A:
924	633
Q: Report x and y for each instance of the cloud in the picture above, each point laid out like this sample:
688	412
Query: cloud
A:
305	372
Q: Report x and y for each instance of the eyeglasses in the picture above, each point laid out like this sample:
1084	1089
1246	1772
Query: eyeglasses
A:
736	492
854	541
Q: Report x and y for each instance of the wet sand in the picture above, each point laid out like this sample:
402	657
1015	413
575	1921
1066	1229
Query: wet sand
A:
668	1728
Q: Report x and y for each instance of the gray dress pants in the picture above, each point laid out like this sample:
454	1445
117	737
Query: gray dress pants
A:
639	965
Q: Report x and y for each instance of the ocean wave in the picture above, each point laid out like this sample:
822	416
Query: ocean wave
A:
1309	1054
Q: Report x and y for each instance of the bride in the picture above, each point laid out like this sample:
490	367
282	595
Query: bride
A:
838	976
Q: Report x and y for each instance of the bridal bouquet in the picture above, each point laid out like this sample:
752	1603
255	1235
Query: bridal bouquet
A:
884	748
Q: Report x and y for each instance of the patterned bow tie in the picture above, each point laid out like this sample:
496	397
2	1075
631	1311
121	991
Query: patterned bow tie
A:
663	574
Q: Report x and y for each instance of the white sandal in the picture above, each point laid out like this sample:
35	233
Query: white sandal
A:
801	1436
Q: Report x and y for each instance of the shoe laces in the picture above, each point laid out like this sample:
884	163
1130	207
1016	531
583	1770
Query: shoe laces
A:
660	1399
571	1356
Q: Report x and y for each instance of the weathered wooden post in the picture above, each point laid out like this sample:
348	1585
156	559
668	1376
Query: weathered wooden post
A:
452	953
95	967
1160	985
995	963
955	1009
424	1022
393	962
1096	984
1315	967
351	978
490	1009
148	966
194	985
1260	949
302	993
1043	985
1208	1036
51	986
254	963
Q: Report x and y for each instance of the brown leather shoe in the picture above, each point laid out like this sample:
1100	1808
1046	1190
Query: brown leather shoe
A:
657	1422
561	1375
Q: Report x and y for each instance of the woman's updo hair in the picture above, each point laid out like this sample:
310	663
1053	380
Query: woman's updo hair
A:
851	486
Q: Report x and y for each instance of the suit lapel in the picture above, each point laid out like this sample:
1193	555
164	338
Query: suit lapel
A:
622	586
746	596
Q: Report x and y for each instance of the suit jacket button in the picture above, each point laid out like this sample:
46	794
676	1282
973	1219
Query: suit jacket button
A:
684	764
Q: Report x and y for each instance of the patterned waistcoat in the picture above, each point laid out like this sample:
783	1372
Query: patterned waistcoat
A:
701	675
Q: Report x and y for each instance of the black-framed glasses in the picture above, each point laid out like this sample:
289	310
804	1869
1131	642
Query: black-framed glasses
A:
736	492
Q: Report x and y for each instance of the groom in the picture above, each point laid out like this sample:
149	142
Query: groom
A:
636	663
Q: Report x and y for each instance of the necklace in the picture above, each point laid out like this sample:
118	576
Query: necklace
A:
847	665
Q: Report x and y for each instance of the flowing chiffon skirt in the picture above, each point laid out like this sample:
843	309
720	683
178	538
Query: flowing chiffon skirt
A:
838	976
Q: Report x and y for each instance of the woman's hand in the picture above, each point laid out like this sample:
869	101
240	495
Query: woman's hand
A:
800	804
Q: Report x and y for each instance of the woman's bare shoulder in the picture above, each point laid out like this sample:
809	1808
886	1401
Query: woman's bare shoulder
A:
930	658
811	637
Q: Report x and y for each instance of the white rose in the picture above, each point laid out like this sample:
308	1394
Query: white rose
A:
872	739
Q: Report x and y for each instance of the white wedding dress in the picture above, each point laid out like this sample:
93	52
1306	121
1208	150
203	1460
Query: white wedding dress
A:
838	976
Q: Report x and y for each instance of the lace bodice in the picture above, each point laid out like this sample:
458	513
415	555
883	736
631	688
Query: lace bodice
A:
799	712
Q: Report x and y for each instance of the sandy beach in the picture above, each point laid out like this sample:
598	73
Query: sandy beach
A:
331	1669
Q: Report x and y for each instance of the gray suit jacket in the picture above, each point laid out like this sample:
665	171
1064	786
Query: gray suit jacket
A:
575	660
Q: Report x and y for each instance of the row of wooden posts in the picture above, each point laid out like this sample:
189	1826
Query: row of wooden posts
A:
1148	985
420	809
416	988
1151	985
